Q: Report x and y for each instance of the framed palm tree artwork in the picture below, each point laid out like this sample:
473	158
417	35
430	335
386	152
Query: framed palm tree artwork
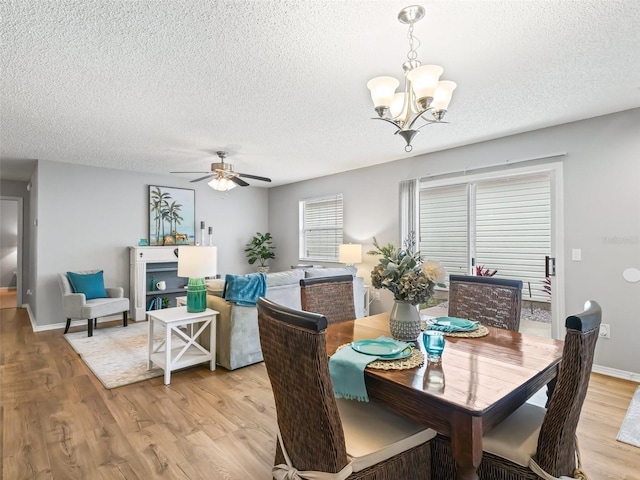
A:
172	216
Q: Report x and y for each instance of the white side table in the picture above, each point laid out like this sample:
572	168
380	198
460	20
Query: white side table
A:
170	356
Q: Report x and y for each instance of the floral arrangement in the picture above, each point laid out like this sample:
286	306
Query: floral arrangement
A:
403	273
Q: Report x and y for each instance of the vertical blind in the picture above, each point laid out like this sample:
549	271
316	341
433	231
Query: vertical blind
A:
504	224
321	228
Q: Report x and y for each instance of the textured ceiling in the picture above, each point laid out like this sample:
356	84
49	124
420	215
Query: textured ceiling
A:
156	86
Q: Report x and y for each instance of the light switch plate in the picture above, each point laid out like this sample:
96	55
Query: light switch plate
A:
576	254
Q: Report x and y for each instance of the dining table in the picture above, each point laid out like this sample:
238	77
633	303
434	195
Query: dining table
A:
476	385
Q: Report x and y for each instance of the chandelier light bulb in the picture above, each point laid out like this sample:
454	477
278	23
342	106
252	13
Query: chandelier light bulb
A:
382	90
442	94
424	81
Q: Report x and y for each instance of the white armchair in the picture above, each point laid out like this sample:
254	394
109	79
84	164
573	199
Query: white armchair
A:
77	307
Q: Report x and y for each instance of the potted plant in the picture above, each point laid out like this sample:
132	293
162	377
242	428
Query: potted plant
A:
412	282
260	250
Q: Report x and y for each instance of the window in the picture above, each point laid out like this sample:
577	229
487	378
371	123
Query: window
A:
320	228
503	224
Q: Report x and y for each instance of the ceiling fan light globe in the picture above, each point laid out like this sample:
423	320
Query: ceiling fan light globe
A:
222	184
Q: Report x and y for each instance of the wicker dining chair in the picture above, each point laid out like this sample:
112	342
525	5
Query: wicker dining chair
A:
321	433
329	296
495	302
531	432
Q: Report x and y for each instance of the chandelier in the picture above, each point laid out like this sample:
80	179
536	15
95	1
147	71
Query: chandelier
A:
423	91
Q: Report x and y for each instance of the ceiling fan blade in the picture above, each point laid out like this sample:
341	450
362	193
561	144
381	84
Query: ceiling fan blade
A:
190	172
203	178
255	177
238	181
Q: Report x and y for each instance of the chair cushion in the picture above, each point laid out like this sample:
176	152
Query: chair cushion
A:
101	307
91	284
374	434
516	437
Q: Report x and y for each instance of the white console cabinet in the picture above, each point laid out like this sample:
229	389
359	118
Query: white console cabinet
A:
149	265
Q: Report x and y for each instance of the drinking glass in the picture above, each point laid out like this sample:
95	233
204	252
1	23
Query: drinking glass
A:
433	344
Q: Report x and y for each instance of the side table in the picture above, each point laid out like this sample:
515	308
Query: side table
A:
170	356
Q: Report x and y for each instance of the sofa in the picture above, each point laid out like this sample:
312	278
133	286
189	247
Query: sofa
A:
237	336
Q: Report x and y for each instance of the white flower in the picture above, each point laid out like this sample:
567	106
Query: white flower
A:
434	271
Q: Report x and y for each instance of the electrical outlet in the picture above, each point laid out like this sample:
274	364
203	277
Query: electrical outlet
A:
605	330
376	295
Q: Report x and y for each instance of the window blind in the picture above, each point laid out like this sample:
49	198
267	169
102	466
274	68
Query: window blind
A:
321	221
513	229
444	231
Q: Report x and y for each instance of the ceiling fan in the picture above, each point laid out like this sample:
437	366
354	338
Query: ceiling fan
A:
223	177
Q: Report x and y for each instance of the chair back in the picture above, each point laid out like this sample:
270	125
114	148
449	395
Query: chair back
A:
492	301
295	354
65	286
556	442
329	296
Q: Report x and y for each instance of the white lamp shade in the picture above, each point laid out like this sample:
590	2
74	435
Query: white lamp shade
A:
197	262
382	90
424	80
442	95
222	184
350	253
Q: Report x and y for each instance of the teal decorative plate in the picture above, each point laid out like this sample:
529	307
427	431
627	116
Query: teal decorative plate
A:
377	347
453	324
406	353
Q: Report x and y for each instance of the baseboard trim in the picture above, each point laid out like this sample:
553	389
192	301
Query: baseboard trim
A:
614	372
74	323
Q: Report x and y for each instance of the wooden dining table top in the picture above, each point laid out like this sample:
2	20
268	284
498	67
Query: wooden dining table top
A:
485	380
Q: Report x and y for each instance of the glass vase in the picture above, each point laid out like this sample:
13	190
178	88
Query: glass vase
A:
404	321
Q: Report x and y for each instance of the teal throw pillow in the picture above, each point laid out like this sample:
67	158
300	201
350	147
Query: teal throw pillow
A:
91	284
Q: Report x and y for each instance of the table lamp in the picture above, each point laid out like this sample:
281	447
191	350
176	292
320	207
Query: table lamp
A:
196	263
350	254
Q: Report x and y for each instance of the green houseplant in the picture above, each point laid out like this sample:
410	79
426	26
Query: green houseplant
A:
260	250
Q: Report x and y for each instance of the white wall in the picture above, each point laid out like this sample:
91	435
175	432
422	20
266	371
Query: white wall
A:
601	217
88	217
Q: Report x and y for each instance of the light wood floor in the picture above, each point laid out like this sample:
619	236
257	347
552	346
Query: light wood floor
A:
58	422
8	298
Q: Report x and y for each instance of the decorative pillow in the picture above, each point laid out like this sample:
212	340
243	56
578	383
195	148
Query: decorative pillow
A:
91	284
330	272
215	286
286	277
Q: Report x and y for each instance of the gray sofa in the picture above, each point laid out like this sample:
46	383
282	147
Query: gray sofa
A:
237	338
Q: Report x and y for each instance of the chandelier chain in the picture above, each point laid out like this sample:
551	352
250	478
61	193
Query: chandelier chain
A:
413	51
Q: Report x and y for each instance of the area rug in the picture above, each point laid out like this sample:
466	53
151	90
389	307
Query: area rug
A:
630	429
116	355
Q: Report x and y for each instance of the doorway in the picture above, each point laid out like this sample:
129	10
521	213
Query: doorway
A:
503	222
11	236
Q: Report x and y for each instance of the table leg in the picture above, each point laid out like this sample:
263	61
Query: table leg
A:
466	445
167	353
150	342
212	343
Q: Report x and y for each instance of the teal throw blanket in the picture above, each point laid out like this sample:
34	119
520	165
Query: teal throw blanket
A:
244	290
346	367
